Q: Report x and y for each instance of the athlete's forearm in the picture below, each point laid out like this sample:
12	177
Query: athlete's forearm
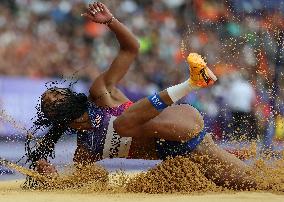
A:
99	13
126	38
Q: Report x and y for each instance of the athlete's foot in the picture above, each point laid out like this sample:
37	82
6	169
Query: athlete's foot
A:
200	74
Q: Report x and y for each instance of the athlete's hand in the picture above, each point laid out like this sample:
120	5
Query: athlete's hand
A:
45	168
98	12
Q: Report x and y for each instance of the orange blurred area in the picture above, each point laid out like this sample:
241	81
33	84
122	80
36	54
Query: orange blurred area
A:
224	69
94	30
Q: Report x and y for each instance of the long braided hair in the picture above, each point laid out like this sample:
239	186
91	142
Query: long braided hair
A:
58	108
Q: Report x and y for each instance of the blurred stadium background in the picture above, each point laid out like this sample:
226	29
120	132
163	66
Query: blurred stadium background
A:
42	41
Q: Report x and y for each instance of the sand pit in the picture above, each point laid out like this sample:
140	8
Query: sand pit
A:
11	192
176	179
171	176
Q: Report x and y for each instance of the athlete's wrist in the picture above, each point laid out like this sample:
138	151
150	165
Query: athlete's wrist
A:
110	21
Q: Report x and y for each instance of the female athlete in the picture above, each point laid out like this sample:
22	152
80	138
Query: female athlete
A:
109	125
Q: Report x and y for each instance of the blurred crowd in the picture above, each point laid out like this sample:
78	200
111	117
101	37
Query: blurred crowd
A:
40	38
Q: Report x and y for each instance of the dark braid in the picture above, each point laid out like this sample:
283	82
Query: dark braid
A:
56	117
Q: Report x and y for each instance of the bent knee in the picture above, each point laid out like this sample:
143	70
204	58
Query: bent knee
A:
194	122
198	122
179	122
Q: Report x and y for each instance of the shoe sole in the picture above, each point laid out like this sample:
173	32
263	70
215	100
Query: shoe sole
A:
211	74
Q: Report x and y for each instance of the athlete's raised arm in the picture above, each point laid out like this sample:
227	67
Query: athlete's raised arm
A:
129	47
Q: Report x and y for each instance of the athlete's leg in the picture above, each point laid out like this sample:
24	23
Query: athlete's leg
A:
222	167
175	123
139	113
148	108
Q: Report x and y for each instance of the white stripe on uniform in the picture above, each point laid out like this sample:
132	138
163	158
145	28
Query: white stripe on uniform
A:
114	145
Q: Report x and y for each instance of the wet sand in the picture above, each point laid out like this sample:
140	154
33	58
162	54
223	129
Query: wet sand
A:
10	191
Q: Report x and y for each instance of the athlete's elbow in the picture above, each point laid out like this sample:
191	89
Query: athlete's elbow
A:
135	47
132	48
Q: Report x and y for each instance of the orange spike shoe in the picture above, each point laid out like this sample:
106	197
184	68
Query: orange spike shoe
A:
200	74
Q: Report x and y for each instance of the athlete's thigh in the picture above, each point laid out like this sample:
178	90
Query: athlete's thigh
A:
175	123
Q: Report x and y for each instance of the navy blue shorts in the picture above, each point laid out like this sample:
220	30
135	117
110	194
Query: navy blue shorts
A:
173	148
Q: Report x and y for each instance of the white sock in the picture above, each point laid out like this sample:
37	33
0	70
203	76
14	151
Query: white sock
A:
180	90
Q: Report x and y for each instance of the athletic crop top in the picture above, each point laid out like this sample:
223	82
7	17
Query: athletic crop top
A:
103	140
